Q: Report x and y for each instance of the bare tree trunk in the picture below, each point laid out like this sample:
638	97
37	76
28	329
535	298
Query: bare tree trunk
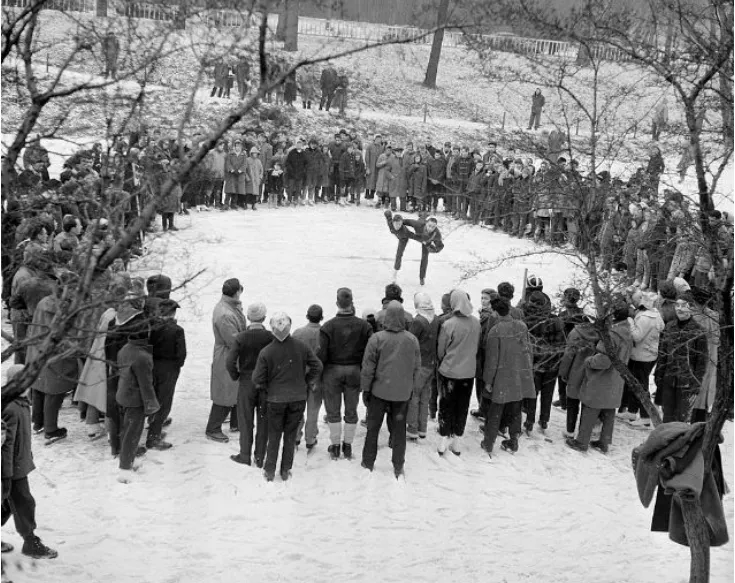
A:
726	93
101	8
282	18
436	47
698	537
291	40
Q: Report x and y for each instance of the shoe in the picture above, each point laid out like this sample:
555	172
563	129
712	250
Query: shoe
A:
641	423
6	547
432	416
422	434
454	445
528	427
52	436
258	462
598	445
285	475
560	405
510	445
310	446
34	548
627	416
234	430
421	281
398	472
140	451
543	425
411	436
269	476
333	451
442	447
240	460
363	423
174	228
367	467
486	448
217	436
574	444
347	450
37	429
158	443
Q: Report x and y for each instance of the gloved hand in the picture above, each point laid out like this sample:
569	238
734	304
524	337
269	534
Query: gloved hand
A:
388	213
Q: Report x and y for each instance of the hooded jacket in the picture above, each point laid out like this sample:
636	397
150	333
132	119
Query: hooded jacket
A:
459	337
580	345
645	329
280	370
392	361
603	386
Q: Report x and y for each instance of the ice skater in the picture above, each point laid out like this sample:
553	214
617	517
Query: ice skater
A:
425	231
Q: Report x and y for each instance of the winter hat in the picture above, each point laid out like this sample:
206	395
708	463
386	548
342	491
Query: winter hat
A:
648	300
572	295
537	299
506	290
424	306
168	307
368	312
281	325
159	286
681	285
344	298
315	313
488	291
256	312
393	291
447	302
231	287
534	283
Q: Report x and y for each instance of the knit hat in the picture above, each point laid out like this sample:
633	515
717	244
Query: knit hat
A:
256	312
648	300
681	285
231	287
315	313
506	290
424	306
344	298
393	291
368	312
534	283
488	291
168	307
281	325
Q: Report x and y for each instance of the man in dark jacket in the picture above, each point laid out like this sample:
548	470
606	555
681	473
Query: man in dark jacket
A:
295	166
342	344
425	327
347	173
17	464
547	337
328	82
393	292
111	50
286	369
251	403
169	354
570	316
488	319
310	335
390	371
136	395
159	289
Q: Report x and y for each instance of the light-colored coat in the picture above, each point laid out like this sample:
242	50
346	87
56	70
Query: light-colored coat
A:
580	346
459	337
372	152
388	170
227	322
254	175
645	329
92	386
509	362
709	321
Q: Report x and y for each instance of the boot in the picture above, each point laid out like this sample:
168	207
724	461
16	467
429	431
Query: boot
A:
33	547
333	451
157	442
574	444
598	445
347	450
285	475
487	447
443	444
398	471
454	445
510	445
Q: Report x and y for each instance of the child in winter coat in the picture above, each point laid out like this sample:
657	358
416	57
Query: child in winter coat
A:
274	185
17	464
169	354
136	395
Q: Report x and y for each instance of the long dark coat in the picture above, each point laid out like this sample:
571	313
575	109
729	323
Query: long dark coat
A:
236	173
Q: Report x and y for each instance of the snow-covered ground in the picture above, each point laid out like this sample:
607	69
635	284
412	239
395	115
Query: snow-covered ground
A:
545	514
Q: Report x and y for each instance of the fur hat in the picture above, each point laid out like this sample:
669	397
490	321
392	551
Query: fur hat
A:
344	298
488	291
393	291
506	290
168	307
281	325
231	287
315	313
256	312
534	283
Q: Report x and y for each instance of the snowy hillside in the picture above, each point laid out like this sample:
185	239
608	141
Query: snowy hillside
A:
545	514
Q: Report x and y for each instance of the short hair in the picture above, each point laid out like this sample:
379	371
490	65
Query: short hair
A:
68	223
667	290
501	306
506	290
35	229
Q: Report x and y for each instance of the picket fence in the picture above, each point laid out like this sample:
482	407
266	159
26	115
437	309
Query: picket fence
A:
343	29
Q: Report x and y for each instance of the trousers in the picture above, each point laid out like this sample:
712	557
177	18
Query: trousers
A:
19	503
283	422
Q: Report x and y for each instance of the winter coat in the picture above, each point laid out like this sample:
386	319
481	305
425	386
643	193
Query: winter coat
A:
60	374
266	156
603	385
547	336
168	342
309	335
92	386
508	367
392	360
417	174
284	369
683	260
236	173
17	457
682	356
170	202
243	357
388	169
459	337
342	340
488	319
227	322
328	80
463	168
437	170
295	165
347	166
254	176
135	386
709	321
580	346
111	48
29	292
645	329
537	102
313	163
380	316
427	333
372	152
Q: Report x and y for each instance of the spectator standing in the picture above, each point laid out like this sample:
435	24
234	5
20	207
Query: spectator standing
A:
537	104
111	50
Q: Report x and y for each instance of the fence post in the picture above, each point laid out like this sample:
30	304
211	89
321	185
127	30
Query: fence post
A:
577	127
46	63
426	107
503	126
635	129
